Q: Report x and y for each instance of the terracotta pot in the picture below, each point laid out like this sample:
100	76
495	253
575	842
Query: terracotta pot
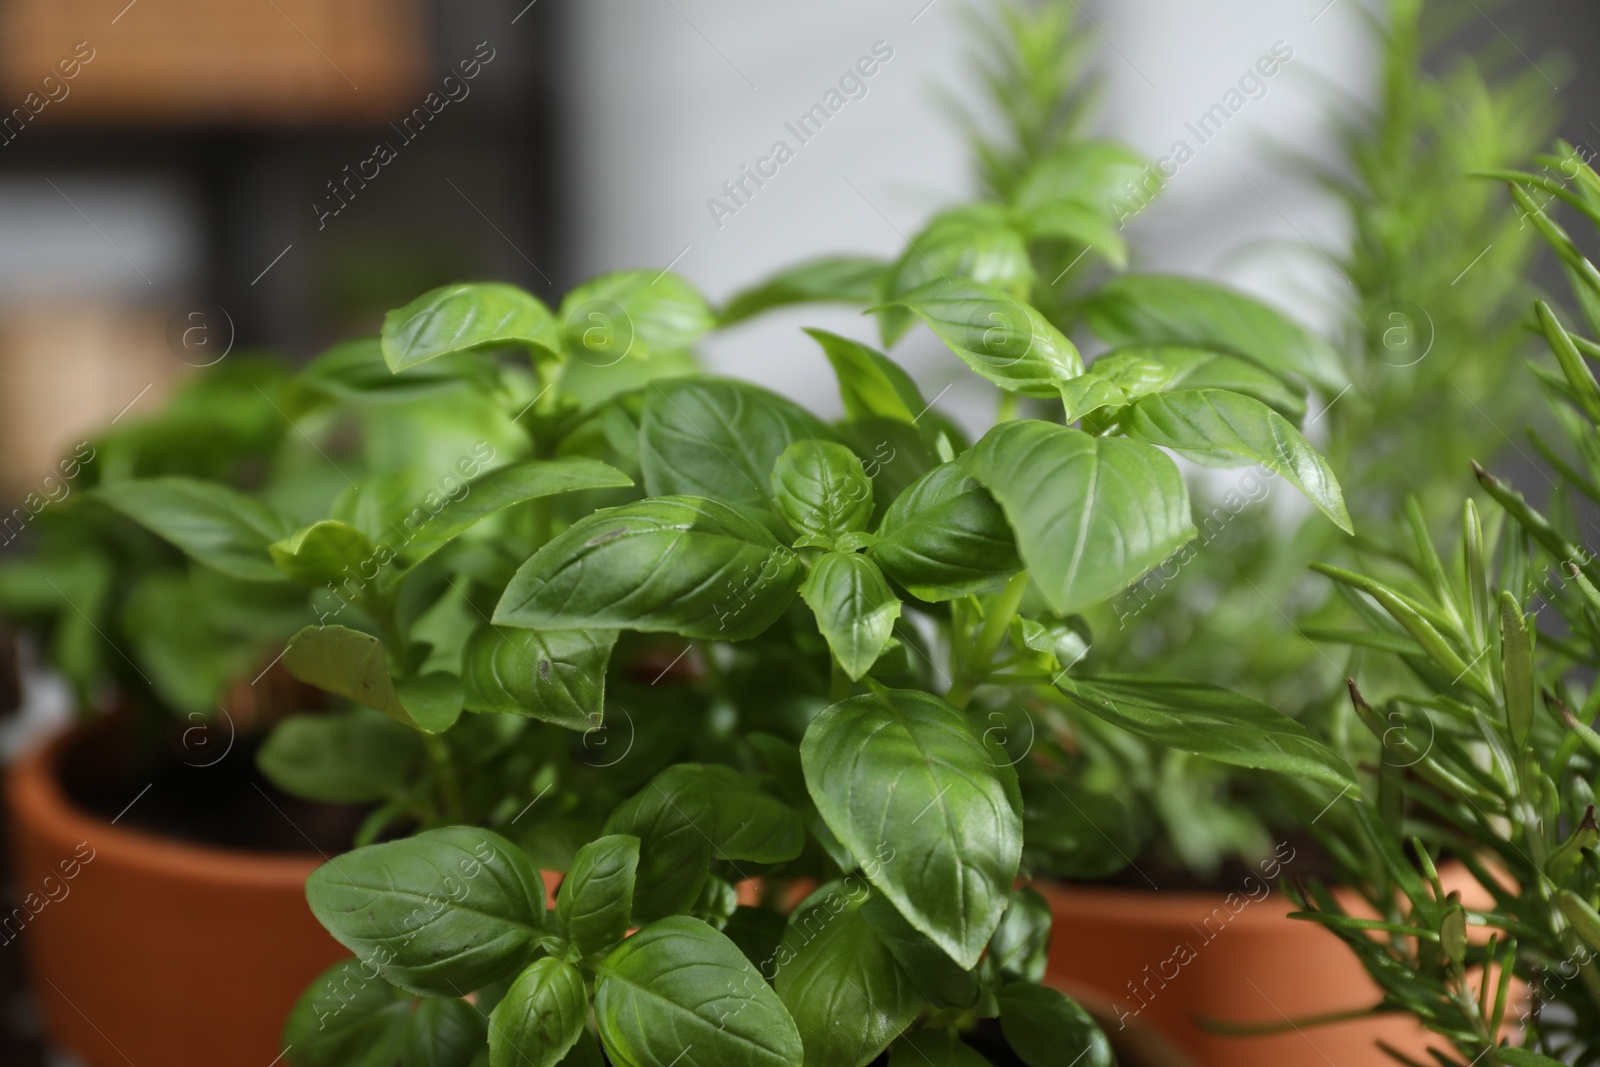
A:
153	951
1168	959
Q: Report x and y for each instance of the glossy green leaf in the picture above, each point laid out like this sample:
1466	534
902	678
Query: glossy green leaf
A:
678	992
945	537
822	491
855	609
350	664
1021	943
1211	722
220	527
555	676
355	372
938	977
439	914
1215	420
934	1048
974	242
352	757
997	335
347	1017
1196	368
492	493
1160	309
633	313
596	898
1047	1029
1091	514
903	770
443	1032
326	551
540	1018
1088	393
871	385
847	994
834	280
717	438
459	318
674	564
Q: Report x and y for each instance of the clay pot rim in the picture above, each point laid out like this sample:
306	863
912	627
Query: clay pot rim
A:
35	796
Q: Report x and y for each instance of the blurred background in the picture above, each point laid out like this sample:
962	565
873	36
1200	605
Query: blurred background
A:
181	180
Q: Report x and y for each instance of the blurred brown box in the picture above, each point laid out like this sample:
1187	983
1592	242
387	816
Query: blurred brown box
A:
214	62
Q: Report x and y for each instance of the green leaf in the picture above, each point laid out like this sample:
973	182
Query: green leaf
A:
1215	420
934	1048
492	493
633	313
555	676
973	242
1160	309
678	992
350	664
1088	393
354	372
1196	368
1091	514
938	977
945	537
716	438
692	813
997	335
1046	1029
1084	223
540	1018
352	757
854	607
463	317
220	527
834	279
1211	722
904	771
1020	946
326	551
871	385
596	898
822	491
1082	171
672	564
1516	661
845	991
438	914
443	1032
347	1017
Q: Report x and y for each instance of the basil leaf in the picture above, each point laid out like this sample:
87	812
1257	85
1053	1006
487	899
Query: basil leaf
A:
821	489
1196	368
997	335
354	372
1087	171
439	914
1158	309
938	977
834	279
854	608
352	757
326	551
1046	1028
719	439
874	387
596	898
973	242
1088	393
1217	420
1091	514
347	1017
459	318
904	770
220	527
541	1016
1020	946
492	493
672	564
1211	722
443	1032
691	813
634	313
555	676
350	664
678	992
934	1048
945	537
844	990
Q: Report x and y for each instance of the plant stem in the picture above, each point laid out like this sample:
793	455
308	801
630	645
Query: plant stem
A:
996	621
445	771
1008	406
